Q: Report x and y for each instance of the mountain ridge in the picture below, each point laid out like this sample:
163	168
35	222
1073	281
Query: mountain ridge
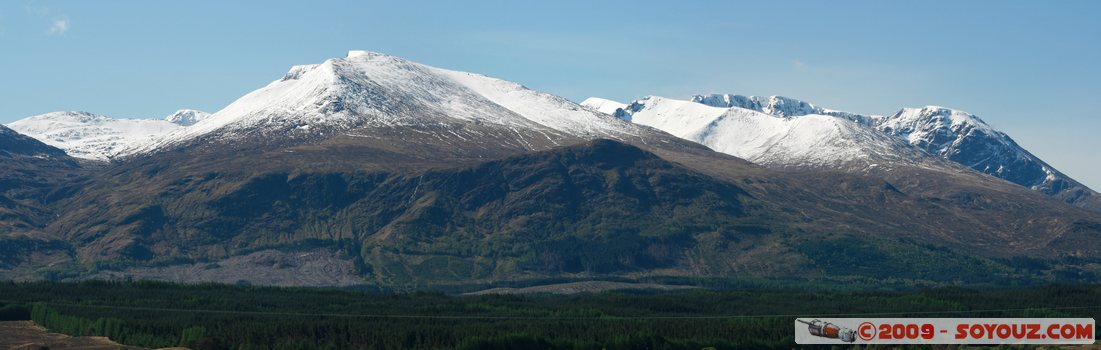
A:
98	137
952	135
346	93
373	169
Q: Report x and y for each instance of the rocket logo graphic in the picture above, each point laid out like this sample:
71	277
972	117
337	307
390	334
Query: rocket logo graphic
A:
840	331
829	330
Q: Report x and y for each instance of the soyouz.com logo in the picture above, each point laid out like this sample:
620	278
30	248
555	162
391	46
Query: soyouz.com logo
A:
945	331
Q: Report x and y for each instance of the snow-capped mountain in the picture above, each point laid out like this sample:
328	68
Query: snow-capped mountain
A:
91	136
373	90
413	166
773	105
774	139
603	105
964	138
186	117
783	132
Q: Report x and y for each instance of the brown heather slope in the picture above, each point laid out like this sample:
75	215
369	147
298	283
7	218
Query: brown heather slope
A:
427	213
33	176
25	335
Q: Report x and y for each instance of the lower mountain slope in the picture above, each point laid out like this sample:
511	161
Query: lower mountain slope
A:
594	208
33	175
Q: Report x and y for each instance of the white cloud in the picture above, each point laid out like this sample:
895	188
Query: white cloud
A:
798	64
59	27
35	9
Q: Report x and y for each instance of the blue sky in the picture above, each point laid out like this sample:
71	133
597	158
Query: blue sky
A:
1028	68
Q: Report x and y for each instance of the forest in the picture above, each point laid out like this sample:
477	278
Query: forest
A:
215	316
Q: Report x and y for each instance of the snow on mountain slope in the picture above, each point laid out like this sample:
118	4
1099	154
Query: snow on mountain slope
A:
545	109
806	141
676	117
964	138
601	105
950	134
90	136
804	134
186	117
367	89
774	105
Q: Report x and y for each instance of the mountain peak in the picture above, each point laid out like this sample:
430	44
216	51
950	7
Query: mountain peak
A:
372	90
966	139
779	106
76	116
90	136
186	117
936	117
604	105
782	131
741	126
364	54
